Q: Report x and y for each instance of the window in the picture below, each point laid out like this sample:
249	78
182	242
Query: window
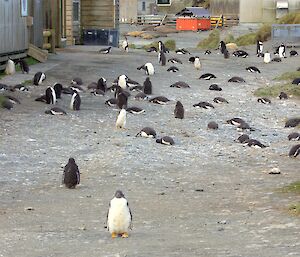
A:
163	2
143	6
75	11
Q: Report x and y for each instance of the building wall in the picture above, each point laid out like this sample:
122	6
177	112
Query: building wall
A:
69	21
225	7
150	7
175	7
128	11
97	14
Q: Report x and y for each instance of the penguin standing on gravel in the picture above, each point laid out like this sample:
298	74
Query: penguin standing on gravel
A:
162	58
50	95
71	175
281	51
125	45
10	68
161	47
147	86
119	217
121	120
179	110
259	48
197	63
267	57
75	102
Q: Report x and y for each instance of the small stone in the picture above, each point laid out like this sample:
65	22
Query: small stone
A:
29	209
199	190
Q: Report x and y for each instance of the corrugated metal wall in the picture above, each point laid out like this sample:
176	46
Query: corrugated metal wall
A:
97	14
13	29
225	7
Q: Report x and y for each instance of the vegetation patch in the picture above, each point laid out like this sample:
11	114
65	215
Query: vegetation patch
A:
294	209
274	91
132	46
264	33
292	188
290	18
247	39
291	75
170	44
229	39
135	33
27	82
212	42
2	98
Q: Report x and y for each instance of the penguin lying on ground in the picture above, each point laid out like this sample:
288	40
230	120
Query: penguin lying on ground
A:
219	100
166	140
294	136
180	84
207	76
56	111
105	50
236	79
147	132
174	60
294	151
159	100
173	69
38	78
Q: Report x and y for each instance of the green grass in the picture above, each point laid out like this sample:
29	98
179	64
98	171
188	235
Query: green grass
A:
247	39
288	75
290	18
171	44
1	99
211	42
132	46
292	188
274	91
29	60
264	33
294	209
229	39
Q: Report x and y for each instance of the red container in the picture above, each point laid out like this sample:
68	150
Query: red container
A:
193	24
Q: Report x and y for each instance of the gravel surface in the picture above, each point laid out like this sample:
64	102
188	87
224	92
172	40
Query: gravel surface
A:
205	196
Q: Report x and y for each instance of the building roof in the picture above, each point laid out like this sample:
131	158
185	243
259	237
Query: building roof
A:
194	12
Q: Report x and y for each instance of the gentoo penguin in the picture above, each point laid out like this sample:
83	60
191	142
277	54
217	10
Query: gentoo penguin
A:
159	100
204	105
23	65
162	58
212	125
259	48
111	102
6	104
56	111
20	87
215	87
242	138
161	47
222	47
276	59
76	81
291	123
68	91
122	81
281	51
98	92
147	132
125	45
101	84
10	68
226	54
293	53
152	49
135	110
264	100
294	151
119	217
58	89
136	88
197	63
235	121
12	99
50	95
296	81
75	102
295	136
207	76
244	126
148	68
122	99
220	100
253	69
182	51
92	85
207	52
192	59
240	53
166	140
141	96
236	79
254	143
121	120
283	95
173	69
267	57
3	87
174	60
148	86
179	110
71	175
38	78
180	84
105	50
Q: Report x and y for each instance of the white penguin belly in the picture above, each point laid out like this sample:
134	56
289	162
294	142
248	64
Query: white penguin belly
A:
119	218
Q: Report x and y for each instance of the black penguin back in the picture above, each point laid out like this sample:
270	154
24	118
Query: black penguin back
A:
179	110
71	175
148	86
122	99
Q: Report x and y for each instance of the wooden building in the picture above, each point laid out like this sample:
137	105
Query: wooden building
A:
128	11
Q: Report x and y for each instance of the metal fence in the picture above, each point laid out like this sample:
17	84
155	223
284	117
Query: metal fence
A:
288	34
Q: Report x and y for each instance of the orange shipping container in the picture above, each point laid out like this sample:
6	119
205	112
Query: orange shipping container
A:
193	24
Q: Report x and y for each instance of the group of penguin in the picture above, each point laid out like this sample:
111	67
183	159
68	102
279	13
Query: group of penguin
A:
119	217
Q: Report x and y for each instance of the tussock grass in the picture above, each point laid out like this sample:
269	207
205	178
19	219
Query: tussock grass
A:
290	18
212	42
247	39
290	75
170	44
135	33
264	33
292	188
229	39
27	82
274	91
132	46
294	209
1	100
